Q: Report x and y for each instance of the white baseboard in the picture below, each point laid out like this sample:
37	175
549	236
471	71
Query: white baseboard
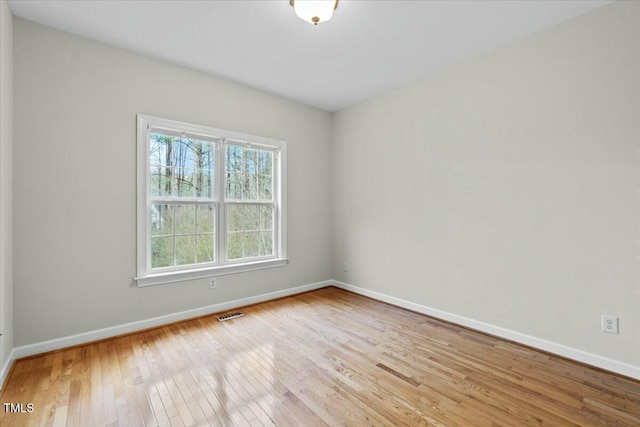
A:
86	337
551	347
7	367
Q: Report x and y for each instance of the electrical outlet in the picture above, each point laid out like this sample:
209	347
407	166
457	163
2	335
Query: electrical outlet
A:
609	324
345	266
212	283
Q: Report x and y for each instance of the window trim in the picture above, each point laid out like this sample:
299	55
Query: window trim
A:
145	275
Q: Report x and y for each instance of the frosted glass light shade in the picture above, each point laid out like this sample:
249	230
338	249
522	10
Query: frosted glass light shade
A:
314	11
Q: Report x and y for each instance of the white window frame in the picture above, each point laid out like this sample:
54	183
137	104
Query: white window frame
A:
146	276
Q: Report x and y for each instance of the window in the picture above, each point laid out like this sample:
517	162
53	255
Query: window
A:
210	202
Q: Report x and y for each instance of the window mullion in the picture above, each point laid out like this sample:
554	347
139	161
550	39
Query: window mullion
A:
147	192
276	200
173	234
181	201
221	217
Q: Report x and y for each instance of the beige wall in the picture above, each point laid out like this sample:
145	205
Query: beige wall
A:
506	189
75	204
6	146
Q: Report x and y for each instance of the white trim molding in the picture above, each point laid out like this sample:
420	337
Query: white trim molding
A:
595	360
181	276
4	371
127	328
601	362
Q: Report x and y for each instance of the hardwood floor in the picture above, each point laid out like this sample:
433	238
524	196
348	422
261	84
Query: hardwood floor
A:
324	358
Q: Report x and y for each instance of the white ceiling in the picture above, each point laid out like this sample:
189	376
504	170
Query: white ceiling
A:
367	48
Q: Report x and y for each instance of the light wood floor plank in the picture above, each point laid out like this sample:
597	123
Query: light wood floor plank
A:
323	358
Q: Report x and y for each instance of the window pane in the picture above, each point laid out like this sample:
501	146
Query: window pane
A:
161	220
265	188
205	219
185	219
234	218
181	167
161	159
242	173
184	182
251	244
249	187
205	250
184	156
234	245
266	243
266	163
266	217
250	229
160	150
250	163
239	186
234	186
205	155
205	183
160	183
251	218
185	250
161	252
234	159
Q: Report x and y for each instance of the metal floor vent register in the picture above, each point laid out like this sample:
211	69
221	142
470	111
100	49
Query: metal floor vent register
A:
229	316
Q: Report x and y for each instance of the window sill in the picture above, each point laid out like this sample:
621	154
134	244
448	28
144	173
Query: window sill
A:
184	275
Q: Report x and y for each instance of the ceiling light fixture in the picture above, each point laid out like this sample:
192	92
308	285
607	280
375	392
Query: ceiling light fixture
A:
314	11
